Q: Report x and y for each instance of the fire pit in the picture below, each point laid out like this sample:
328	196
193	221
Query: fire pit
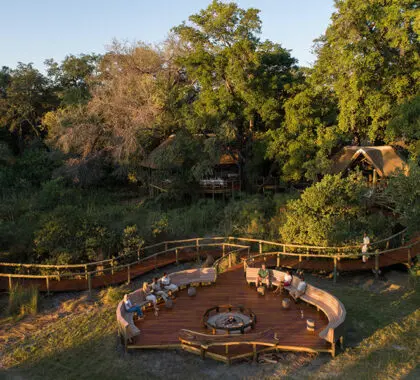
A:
228	319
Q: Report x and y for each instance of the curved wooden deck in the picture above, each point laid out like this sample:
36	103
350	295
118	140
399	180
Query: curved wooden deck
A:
287	326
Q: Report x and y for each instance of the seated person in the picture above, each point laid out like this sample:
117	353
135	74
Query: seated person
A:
148	292
166	283
157	290
263	277
299	291
132	308
287	279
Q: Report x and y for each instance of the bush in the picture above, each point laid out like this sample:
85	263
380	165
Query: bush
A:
23	301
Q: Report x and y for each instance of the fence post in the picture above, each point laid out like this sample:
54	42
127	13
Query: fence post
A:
48	285
335	270
176	256
197	250
86	272
90	285
230	260
58	274
223	250
128	274
166	246
278	260
260	248
10	283
112	266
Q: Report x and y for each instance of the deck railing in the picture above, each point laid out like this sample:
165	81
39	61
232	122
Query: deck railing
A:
234	246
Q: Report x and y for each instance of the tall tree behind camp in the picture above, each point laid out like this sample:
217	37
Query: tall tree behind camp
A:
370	56
25	96
71	77
129	105
240	80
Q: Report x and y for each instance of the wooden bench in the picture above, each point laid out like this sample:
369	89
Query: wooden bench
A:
194	277
322	300
125	324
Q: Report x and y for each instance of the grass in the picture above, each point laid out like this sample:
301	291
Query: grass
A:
382	343
23	301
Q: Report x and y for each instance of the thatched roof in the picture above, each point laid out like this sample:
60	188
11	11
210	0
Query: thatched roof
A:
152	160
383	158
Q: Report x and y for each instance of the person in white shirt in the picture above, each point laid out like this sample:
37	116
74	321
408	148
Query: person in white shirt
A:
287	279
299	291
132	308
157	290
366	243
166	283
148	292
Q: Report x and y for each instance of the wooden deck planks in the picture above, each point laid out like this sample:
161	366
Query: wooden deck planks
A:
231	288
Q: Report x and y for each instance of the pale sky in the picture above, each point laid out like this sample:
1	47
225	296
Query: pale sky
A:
34	30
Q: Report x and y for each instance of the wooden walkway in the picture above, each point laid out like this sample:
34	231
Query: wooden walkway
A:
400	255
231	288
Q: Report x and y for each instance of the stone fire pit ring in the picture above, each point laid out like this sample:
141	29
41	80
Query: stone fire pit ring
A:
229	319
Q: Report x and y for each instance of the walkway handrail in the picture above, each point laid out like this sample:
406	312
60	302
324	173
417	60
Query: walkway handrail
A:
197	241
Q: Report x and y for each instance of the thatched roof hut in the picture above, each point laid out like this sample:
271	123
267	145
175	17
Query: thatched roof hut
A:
383	159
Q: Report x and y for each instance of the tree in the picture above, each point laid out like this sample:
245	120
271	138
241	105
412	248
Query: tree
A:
239	81
405	126
403	193
330	212
130	105
369	56
71	78
26	96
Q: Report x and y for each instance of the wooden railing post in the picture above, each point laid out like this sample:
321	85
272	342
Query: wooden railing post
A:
90	285
335	270
223	250
112	267
230	260
10	283
86	272
128	274
48	285
249	251
260	247
278	260
166	246
58	274
176	256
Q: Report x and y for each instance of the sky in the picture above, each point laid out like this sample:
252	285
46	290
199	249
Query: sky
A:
35	30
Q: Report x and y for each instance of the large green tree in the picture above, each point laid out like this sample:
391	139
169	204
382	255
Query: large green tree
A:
240	81
26	95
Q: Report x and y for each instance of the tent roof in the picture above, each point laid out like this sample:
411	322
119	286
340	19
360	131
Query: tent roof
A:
383	158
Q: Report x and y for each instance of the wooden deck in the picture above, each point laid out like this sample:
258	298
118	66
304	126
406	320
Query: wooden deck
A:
231	288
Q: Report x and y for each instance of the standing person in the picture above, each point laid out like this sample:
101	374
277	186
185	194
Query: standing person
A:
263	276
132	308
366	243
166	282
157	290
148	292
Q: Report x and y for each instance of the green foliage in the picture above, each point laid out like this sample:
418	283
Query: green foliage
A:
403	192
405	126
330	212
23	301
132	242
